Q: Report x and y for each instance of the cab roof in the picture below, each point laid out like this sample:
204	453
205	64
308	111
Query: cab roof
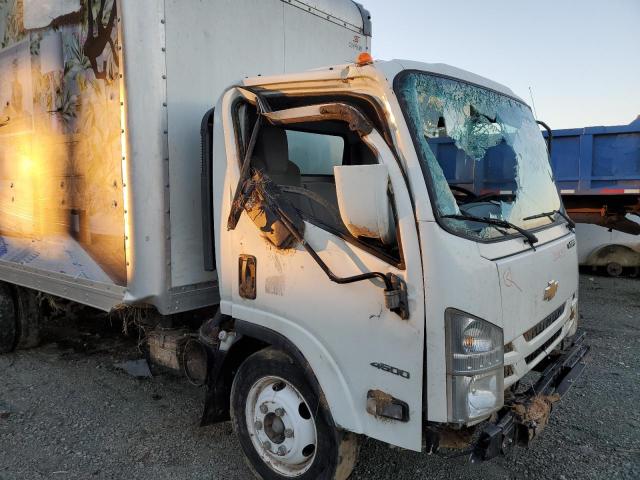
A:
389	68
393	67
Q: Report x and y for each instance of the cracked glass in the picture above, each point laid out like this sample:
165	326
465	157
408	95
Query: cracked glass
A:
482	153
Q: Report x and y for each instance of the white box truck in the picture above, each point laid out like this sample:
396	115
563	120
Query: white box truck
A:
610	250
344	287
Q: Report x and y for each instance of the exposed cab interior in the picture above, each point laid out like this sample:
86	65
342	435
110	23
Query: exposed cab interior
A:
300	160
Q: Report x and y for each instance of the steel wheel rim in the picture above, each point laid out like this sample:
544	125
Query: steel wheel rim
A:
281	426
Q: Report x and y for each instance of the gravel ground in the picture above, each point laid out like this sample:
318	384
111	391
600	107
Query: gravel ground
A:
66	412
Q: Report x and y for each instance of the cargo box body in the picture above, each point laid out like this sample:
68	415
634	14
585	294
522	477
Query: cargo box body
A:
597	160
100	110
597	170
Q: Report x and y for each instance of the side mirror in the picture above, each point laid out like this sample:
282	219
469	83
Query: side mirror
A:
363	201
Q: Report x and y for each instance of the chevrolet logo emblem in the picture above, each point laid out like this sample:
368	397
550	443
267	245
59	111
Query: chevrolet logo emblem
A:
551	290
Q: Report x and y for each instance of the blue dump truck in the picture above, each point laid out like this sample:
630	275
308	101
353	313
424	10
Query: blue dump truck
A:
598	172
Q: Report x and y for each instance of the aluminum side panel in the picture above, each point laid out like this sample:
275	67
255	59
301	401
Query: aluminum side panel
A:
332	44
144	66
209	46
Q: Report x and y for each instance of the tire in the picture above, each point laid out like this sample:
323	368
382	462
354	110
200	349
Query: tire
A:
8	325
614	269
20	316
297	428
28	314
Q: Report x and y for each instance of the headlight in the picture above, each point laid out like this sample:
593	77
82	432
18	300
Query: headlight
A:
475	358
476	396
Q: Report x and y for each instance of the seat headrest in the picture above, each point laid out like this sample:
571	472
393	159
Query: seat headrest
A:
272	149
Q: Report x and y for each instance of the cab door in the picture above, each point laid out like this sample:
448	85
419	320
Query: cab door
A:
354	344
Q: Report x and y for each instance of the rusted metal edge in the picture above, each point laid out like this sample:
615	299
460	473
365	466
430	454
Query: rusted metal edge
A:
325	112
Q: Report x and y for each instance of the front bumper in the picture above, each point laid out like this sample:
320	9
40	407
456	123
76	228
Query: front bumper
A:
526	414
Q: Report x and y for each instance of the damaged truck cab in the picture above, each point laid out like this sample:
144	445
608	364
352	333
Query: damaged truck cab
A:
385	251
360	291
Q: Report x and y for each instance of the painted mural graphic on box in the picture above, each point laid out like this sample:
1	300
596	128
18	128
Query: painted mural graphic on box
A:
60	145
16	106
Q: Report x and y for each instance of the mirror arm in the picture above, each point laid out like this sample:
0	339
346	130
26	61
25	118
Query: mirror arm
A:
325	268
549	134
395	289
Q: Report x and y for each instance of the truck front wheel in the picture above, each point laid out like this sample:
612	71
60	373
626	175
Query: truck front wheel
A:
284	429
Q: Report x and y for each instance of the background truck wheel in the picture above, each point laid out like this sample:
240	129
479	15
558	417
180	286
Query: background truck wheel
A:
29	317
8	324
284	429
614	269
20	315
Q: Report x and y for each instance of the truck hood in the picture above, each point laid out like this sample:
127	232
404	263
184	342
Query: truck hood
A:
534	285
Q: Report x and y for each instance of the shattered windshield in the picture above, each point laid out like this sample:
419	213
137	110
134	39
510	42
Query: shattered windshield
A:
482	153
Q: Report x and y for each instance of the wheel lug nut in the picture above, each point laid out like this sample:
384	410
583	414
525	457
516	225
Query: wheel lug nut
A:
282	450
258	425
267	445
288	433
264	408
279	412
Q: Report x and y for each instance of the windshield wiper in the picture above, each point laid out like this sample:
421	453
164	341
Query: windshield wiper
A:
570	223
531	238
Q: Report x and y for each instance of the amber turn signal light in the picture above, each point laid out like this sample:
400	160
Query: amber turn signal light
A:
363	59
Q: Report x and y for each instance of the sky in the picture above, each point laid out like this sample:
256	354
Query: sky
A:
581	58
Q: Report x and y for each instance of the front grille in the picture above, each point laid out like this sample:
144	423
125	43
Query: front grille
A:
544	324
542	347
